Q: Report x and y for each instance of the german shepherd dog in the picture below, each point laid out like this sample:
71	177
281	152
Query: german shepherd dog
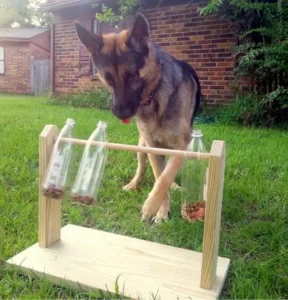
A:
161	92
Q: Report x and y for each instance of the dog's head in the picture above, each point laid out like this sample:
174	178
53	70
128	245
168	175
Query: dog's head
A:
119	59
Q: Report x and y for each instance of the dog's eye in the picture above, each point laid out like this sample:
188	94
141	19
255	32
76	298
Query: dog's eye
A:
109	79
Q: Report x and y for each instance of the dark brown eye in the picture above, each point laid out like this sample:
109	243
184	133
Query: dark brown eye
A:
109	79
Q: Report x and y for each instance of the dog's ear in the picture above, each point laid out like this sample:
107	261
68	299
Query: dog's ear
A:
92	42
139	34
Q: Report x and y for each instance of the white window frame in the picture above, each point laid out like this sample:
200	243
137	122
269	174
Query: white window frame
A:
2	60
95	30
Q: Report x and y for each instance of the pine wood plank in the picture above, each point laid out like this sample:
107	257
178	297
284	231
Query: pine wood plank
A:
213	213
49	226
93	259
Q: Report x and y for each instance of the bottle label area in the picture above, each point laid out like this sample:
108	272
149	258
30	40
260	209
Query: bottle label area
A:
55	170
87	174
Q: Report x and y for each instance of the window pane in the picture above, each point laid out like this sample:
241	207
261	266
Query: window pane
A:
1	53
2	67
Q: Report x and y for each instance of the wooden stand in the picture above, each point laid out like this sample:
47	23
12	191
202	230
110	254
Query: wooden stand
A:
94	259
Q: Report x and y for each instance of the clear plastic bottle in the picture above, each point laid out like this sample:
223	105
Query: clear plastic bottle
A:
194	181
55	181
90	172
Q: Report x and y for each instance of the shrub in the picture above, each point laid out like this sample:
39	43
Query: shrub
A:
262	58
248	110
100	99
245	110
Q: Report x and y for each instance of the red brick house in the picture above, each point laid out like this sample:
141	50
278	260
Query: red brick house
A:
204	42
17	47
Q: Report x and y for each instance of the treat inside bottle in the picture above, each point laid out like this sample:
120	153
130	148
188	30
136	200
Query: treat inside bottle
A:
55	181
194	185
90	172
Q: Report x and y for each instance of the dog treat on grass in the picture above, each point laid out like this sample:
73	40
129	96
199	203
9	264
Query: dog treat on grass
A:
83	199
53	192
194	212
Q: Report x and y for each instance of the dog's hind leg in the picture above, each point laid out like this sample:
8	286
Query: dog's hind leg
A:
141	157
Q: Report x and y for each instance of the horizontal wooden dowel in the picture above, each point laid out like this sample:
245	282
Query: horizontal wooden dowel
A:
132	148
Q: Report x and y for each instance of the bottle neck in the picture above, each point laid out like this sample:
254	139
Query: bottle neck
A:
70	123
197	140
102	125
197	135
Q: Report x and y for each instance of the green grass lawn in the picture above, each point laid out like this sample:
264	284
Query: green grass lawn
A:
255	207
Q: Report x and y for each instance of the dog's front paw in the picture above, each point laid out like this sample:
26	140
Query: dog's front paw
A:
130	186
163	212
151	206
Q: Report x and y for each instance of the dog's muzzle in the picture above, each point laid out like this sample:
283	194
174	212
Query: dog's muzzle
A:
124	112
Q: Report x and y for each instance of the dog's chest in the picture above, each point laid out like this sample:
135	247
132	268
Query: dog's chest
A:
159	136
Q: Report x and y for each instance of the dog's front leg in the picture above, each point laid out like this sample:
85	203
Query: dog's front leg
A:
156	204
158	164
141	158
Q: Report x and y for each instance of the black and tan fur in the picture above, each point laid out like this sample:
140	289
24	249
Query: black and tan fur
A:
161	92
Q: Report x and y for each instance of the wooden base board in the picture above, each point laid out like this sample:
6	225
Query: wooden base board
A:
93	259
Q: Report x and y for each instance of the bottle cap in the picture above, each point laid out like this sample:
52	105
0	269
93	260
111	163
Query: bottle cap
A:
70	122
197	133
102	124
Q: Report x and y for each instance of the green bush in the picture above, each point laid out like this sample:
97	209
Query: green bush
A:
275	107
93	98
245	110
251	110
261	53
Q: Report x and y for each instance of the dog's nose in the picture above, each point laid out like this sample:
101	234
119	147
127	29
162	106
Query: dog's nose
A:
123	112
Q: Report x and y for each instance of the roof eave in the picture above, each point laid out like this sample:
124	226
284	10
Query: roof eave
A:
13	39
57	6
44	31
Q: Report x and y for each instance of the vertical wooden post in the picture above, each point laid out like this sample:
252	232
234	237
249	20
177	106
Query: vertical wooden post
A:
213	214
49	209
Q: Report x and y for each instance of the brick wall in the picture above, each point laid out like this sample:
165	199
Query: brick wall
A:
70	76
17	69
204	42
17	57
